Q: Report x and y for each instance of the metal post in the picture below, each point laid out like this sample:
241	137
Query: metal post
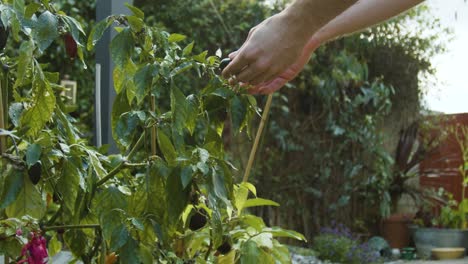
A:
104	8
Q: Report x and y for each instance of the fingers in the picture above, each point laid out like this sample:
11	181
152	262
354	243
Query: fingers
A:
233	54
268	87
242	61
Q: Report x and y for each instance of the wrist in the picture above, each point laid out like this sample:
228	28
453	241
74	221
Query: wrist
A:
299	21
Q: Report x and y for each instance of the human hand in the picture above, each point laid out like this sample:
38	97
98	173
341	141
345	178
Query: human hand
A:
290	73
269	50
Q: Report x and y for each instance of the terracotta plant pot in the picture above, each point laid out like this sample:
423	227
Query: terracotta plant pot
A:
395	230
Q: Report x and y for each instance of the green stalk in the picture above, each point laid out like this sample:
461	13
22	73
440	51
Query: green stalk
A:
119	167
51	228
2	121
153	128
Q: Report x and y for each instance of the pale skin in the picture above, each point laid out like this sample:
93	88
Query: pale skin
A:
277	49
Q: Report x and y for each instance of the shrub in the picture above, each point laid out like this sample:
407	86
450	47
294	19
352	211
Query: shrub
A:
338	244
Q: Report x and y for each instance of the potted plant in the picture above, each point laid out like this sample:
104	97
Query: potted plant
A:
411	150
449	227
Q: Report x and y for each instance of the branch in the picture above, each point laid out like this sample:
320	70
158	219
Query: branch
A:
50	228
119	167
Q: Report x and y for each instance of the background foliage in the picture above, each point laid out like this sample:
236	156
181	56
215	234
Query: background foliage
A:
328	152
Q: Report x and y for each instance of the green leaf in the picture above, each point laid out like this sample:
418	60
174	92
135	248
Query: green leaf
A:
15	111
176	197
136	11
54	246
42	108
264	240
156	192
96	163
238	113
33	154
121	47
279	232
45	30
250	253
12	186
29	202
119	107
112	198
138	224
240	197
167	148
201	57
75	28
31	9
217	177
249	186
135	23
281	253
259	202
254	222
75	240
179	109
188	49
185	66
18	5
192	113
69	183
176	37
143	80
25	62
119	237
186	176
97	32
128	126
129	252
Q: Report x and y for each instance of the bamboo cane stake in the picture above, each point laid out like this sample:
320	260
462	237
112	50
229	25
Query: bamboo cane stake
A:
253	151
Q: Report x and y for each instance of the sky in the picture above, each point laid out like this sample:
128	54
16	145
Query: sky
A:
450	93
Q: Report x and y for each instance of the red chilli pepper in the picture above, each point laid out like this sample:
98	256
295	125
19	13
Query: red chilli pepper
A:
70	45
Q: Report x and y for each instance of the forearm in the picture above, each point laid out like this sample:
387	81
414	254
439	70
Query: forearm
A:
308	16
363	14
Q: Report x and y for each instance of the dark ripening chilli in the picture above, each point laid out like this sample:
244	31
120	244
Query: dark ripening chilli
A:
70	45
224	63
198	220
224	248
3	35
35	172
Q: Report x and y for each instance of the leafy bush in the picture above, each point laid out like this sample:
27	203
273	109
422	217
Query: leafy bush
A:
169	196
339	245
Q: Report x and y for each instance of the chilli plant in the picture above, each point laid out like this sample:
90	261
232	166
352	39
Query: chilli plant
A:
168	197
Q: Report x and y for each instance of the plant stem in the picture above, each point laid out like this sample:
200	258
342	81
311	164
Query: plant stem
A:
266	111
2	121
153	128
119	167
210	247
50	228
56	215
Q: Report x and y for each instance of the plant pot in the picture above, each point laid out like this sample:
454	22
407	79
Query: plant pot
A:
426	239
395	230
